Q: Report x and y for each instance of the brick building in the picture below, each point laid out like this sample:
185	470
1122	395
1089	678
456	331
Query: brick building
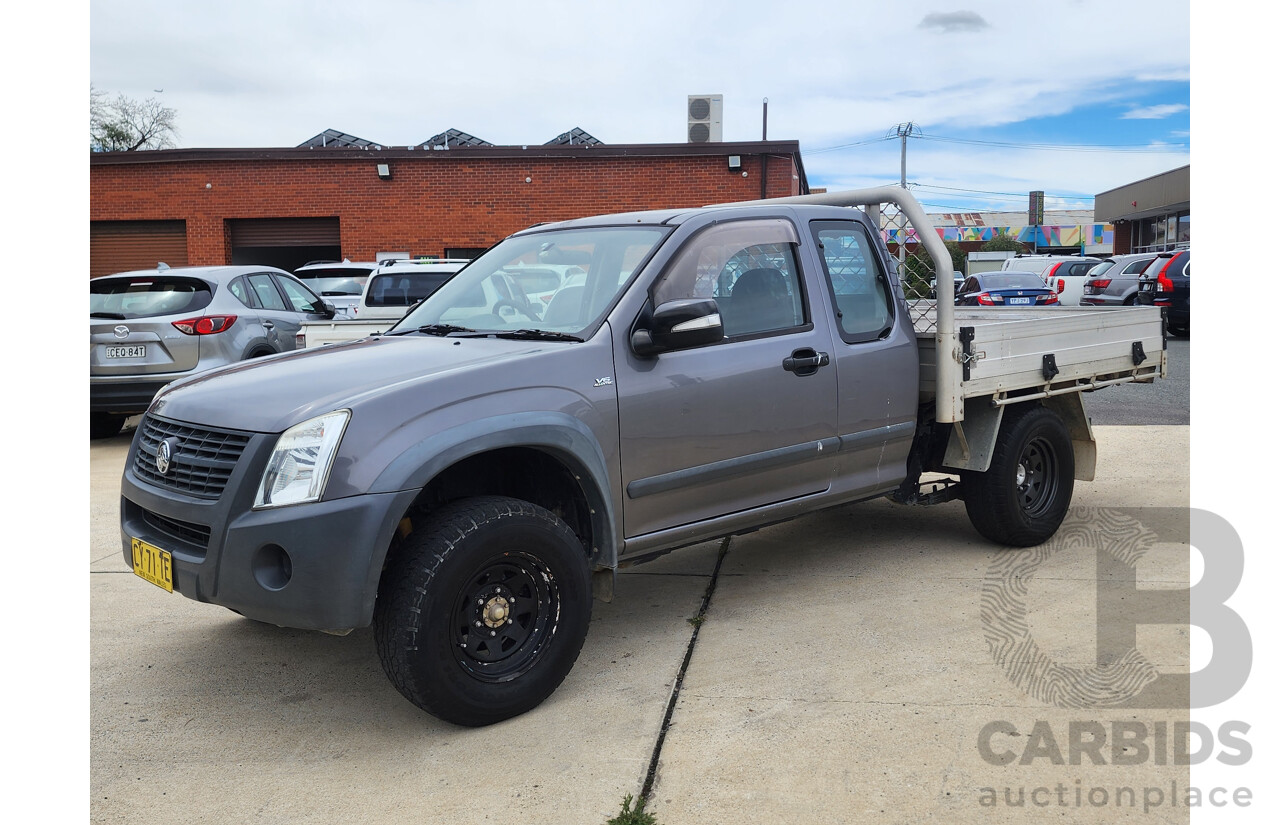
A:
284	207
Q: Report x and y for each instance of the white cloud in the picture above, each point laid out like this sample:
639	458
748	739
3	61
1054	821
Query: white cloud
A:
1155	112
396	72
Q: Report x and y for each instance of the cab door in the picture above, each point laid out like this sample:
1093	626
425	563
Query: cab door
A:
739	424
876	356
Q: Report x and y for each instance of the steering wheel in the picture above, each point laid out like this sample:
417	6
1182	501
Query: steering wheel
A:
527	312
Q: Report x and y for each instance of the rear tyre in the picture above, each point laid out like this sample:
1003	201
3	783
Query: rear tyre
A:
1180	331
1023	497
482	613
105	425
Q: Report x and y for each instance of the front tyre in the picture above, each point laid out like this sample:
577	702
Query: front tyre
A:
1023	497
482	613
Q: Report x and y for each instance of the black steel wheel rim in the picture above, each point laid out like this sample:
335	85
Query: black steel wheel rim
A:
505	616
1037	477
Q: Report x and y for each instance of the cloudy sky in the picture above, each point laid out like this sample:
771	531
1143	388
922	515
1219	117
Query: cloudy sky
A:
1008	96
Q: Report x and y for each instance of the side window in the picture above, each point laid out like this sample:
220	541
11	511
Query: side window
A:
266	292
749	268
300	298
858	283
241	291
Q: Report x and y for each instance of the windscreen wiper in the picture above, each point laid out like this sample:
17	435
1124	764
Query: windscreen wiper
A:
115	316
432	329
538	335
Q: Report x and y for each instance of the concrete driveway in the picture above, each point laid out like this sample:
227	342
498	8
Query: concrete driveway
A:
841	673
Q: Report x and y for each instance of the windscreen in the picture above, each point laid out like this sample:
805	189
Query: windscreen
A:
147	296
582	273
402	289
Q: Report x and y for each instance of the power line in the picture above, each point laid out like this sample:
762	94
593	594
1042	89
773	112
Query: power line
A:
881	139
933	187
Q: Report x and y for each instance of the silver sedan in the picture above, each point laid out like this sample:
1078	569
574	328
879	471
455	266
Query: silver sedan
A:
149	327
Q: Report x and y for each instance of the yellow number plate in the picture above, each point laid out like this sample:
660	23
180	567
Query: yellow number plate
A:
153	564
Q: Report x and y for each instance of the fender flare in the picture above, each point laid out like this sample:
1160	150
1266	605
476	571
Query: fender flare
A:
560	435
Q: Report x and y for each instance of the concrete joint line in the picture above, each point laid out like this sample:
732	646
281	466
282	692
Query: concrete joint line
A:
652	773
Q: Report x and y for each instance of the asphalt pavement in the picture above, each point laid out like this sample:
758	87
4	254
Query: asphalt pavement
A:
1166	401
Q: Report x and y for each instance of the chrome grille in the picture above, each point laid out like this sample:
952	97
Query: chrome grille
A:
202	463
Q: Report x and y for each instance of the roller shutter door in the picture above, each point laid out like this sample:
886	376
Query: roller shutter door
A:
118	246
285	232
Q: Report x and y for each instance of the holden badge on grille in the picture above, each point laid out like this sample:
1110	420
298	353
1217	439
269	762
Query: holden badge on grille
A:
164	454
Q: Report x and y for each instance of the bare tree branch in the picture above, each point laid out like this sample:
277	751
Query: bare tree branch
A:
127	125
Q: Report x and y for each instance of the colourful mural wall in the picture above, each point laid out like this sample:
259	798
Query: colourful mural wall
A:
1096	234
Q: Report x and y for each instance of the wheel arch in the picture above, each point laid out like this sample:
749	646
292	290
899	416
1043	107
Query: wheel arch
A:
550	459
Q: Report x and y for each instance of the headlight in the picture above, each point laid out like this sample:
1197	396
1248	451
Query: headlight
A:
299	465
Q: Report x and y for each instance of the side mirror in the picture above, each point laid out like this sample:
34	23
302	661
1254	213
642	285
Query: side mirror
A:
327	309
690	322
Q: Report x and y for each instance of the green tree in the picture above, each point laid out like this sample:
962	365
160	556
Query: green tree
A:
1004	242
919	271
122	124
957	254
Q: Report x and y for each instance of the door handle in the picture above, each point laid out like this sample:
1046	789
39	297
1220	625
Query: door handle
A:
805	361
268	325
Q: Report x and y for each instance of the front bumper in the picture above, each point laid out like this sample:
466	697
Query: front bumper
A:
312	566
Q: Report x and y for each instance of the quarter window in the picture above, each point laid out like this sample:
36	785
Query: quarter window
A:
858	283
240	289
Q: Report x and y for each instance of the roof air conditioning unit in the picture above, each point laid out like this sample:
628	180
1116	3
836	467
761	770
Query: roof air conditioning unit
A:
705	112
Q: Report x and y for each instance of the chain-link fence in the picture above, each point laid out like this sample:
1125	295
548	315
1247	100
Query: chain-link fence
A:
916	270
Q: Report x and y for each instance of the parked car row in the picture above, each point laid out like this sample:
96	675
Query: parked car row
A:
1159	278
150	327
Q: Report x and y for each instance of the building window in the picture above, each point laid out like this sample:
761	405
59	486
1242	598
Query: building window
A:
469	253
1163	233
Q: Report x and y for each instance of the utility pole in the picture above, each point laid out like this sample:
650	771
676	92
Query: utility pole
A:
905	130
764	157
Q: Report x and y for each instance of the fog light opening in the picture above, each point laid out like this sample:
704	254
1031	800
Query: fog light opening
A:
272	567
